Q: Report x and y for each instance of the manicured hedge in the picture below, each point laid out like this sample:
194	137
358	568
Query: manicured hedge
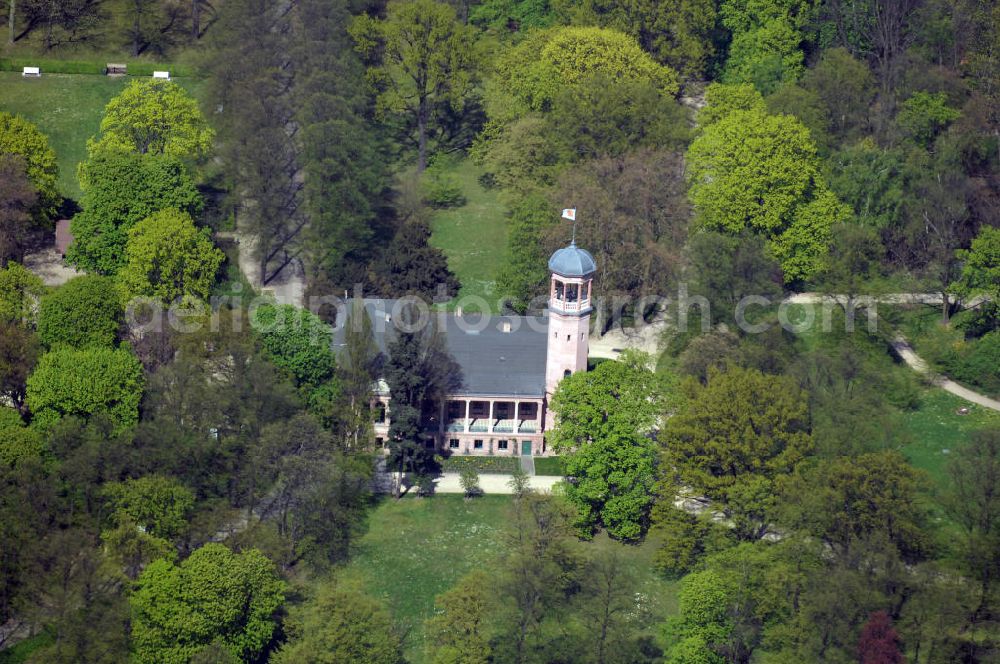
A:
481	464
96	67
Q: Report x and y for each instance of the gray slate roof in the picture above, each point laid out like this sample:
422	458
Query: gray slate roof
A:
492	361
572	261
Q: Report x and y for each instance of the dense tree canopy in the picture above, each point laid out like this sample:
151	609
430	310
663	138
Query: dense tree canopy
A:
83	312
167	258
178	611
119	191
20	137
603	420
153	117
760	172
86	382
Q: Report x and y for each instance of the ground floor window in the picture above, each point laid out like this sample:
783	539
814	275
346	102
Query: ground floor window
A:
453	444
502	445
477	445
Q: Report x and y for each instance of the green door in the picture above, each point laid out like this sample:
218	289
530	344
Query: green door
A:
525	448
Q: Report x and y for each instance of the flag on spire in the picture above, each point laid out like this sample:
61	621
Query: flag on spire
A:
569	213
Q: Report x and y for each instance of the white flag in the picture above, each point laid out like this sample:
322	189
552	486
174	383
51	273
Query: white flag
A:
569	213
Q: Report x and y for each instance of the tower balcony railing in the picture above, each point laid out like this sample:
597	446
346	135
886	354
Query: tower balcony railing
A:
570	306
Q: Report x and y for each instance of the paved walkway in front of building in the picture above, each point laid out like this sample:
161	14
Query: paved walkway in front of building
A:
492	483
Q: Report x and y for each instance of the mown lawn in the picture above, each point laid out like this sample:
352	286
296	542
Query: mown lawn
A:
416	549
549	466
473	236
938	431
67	108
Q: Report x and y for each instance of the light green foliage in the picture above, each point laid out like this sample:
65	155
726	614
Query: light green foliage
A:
602	418
153	117
924	115
981	266
83	382
18	136
120	190
766	35
469	480
722	99
726	608
19	293
531	74
17	441
160	505
766	56
742	424
459	632
168	258
83	312
340	624
214	594
758	172
870	180
297	340
522	156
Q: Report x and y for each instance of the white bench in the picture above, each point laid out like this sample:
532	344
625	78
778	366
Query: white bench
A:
164	75
33	72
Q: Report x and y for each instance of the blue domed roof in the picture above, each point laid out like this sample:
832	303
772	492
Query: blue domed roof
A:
572	261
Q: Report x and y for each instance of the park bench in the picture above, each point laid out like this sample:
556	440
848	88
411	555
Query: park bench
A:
113	69
162	75
31	72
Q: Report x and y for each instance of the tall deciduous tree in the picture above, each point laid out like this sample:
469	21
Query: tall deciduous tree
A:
340	624
119	191
460	631
19	294
18	197
153	117
981	266
85	311
879	642
85	382
167	257
760	172
214	594
252	74
19	350
20	137
358	366
603	418
420	55
734	436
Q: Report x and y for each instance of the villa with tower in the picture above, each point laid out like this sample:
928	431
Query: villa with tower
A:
510	367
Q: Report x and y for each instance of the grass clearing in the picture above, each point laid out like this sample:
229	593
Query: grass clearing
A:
937	431
473	236
417	548
549	466
67	108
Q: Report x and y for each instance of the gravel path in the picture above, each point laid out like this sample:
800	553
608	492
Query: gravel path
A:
905	351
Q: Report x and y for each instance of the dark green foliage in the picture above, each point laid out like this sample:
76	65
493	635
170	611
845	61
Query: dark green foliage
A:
120	190
871	180
345	174
525	273
298	341
412	266
420	372
83	312
19	350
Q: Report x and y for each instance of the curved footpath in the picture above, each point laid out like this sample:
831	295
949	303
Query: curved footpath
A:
905	351
646	338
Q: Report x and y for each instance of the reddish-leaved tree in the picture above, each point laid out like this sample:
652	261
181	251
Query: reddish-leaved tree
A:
879	642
